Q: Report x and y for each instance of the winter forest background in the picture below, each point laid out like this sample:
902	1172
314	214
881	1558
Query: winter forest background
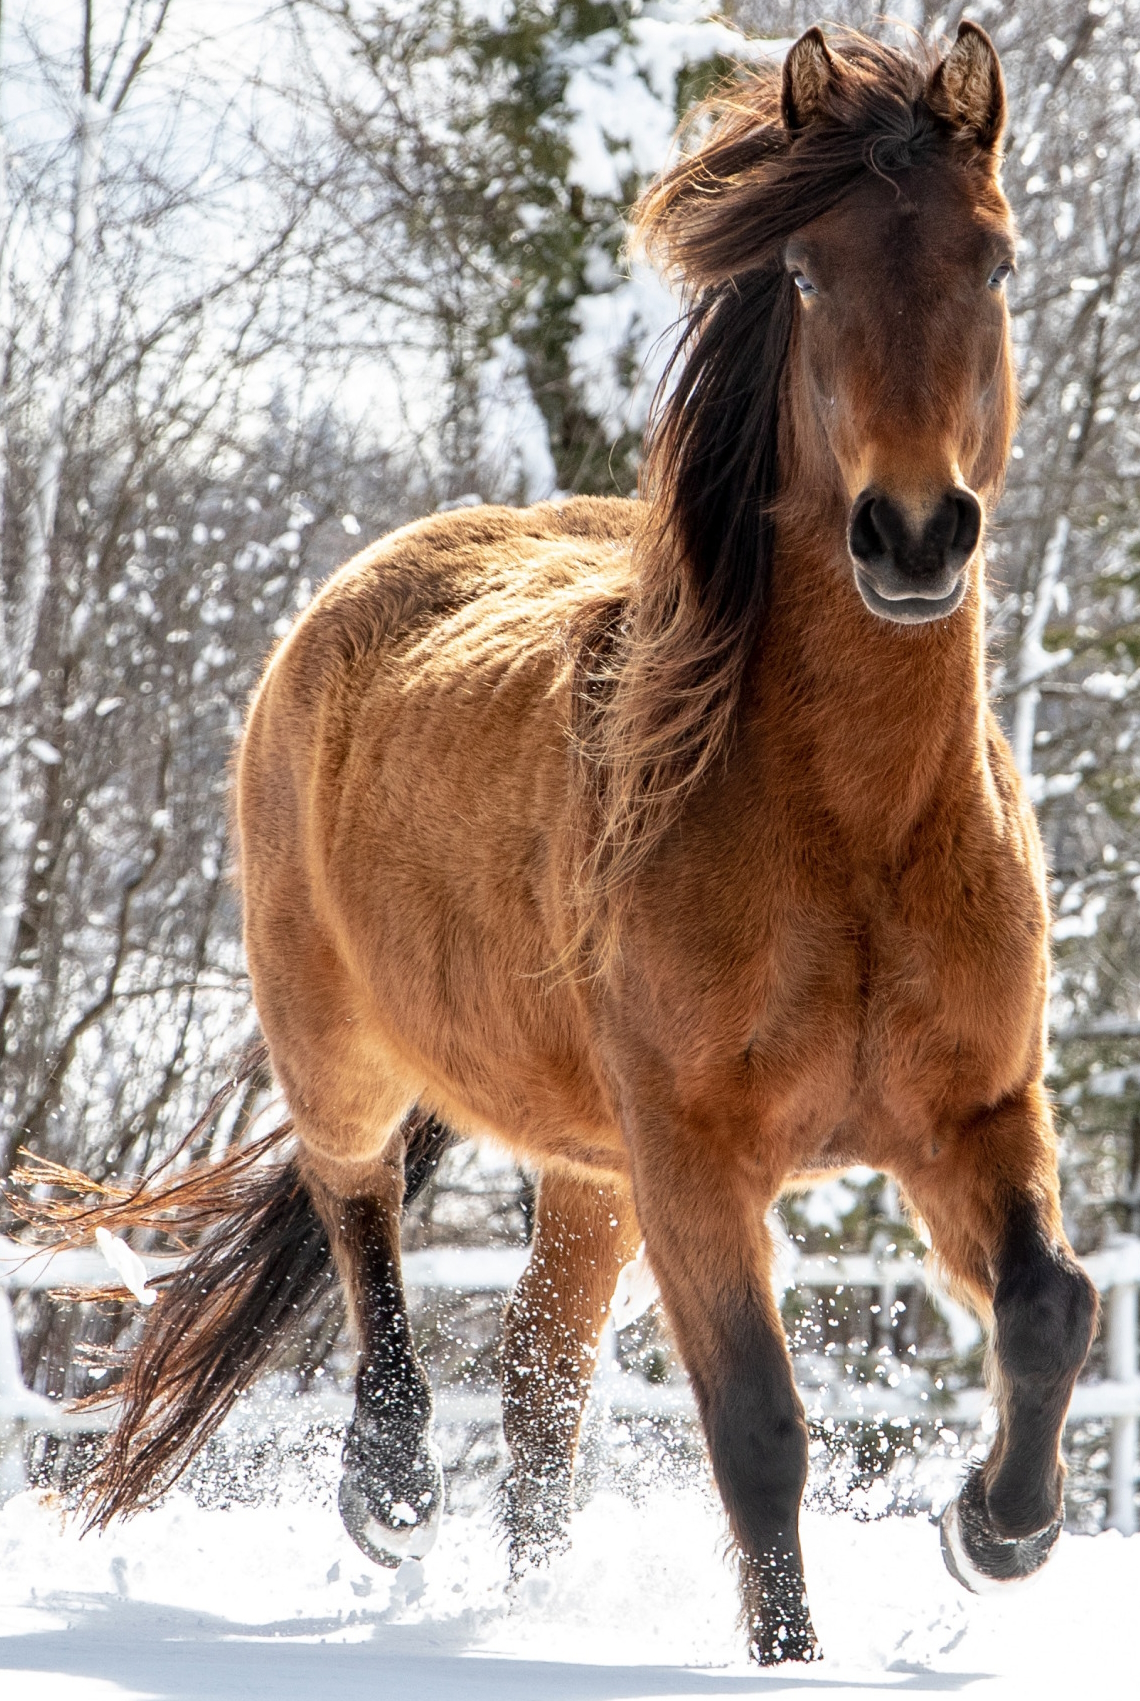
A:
275	278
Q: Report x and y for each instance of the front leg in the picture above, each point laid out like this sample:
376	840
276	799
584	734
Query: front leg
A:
703	1214
989	1195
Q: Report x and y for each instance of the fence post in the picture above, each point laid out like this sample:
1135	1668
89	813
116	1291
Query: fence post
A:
1122	1367
11	1385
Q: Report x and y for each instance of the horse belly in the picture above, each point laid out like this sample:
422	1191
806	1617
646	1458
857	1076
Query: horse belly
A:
442	882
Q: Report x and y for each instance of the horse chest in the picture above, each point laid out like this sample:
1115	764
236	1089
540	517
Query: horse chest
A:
818	989
870	1002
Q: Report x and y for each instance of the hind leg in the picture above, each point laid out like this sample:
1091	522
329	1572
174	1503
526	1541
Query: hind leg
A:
350	1098
391	1491
989	1195
584	1233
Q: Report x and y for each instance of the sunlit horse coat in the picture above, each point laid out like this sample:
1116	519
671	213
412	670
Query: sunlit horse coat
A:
672	845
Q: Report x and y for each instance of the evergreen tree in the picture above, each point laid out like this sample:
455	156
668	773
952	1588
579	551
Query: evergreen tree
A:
506	146
587	94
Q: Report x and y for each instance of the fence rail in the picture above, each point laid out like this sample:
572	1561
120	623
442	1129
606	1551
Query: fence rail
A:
897	1396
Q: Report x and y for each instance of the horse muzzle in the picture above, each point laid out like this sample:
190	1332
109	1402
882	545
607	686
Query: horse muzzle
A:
912	574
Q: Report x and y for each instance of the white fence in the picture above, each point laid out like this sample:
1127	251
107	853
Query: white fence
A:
899	1393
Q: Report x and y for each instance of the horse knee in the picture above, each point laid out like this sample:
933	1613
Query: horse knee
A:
1045	1312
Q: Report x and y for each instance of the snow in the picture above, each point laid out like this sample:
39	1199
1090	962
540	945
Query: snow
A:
125	1262
638	314
256	1602
621	92
635	1292
513	435
1112	687
621	97
1085	924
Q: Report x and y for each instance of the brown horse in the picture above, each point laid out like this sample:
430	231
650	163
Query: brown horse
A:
672	845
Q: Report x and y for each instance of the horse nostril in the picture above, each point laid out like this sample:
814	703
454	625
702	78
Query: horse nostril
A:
864	538
877	532
967	528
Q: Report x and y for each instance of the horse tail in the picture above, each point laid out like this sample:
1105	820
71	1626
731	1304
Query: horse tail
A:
219	1322
263	1265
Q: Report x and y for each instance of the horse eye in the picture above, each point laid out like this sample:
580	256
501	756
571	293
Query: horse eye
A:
804	284
999	275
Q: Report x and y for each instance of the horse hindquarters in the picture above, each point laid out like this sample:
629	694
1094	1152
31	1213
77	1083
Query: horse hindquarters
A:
584	1232
989	1195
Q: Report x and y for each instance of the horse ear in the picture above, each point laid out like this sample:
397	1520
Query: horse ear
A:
968	89
808	73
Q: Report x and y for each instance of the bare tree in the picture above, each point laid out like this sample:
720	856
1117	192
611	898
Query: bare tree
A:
236	339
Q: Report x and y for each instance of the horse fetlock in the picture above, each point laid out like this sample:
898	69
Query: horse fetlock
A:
536	1514
975	1550
391	1494
776	1612
1019	1508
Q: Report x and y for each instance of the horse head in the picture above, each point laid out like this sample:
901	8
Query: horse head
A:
900	358
843	241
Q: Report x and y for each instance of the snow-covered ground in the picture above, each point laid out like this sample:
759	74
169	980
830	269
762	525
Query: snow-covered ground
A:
273	1601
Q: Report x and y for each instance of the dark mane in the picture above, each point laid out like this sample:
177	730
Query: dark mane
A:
660	674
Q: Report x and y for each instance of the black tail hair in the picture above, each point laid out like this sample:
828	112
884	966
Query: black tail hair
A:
425	1141
219	1322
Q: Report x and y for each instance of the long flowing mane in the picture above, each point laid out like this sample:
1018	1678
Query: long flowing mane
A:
660	672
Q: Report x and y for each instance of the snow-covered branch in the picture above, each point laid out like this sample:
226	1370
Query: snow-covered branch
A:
1034	661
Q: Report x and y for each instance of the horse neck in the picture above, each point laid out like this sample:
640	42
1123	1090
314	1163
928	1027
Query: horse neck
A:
868	720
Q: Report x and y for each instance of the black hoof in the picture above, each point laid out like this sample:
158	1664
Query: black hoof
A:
390	1506
785	1643
976	1555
